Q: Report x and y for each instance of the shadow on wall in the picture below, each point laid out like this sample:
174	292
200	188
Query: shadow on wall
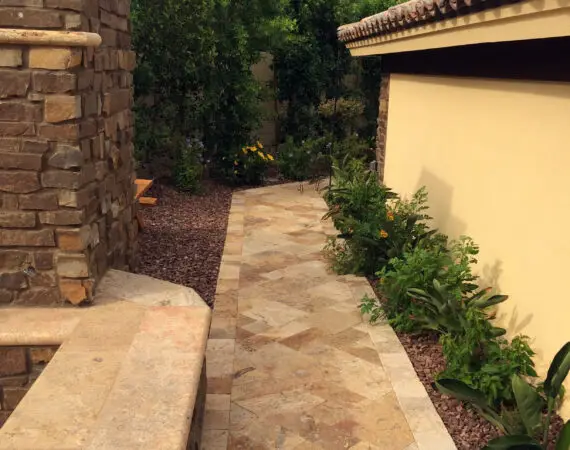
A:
489	274
440	206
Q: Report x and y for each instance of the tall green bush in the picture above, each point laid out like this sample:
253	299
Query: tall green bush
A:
313	64
194	74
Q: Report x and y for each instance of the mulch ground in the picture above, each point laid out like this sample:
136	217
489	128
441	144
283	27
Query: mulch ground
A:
184	235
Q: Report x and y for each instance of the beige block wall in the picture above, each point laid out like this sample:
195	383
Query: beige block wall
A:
263	72
495	157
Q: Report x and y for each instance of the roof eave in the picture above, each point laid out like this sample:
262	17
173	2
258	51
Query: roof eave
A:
394	31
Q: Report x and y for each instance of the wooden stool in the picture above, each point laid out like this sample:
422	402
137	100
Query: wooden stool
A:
142	187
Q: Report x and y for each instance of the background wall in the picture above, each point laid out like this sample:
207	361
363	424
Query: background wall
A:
263	73
495	157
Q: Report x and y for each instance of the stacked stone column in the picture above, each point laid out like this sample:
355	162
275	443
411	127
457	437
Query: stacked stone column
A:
67	210
382	124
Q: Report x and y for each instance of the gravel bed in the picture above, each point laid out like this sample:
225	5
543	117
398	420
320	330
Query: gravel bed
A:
184	235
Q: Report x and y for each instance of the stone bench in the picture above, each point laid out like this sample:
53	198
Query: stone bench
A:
127	374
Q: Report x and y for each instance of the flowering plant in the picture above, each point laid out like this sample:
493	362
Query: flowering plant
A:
249	165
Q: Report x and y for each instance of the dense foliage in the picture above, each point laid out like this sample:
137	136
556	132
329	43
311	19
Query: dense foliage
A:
426	284
375	225
194	76
313	64
194	79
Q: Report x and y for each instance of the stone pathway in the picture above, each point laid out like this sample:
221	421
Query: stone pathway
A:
290	362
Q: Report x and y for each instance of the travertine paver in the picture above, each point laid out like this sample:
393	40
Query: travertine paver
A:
291	364
126	375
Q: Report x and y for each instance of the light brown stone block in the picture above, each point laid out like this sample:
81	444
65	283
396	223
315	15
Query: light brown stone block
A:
59	108
42	355
72	265
55	58
10	57
73	291
74	239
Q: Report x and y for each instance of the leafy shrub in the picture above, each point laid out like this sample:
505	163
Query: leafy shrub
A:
417	268
473	348
312	157
247	166
194	59
309	159
189	168
485	362
529	404
341	115
294	162
352	147
376	225
313	64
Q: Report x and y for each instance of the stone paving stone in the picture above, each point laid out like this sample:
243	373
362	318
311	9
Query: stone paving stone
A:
291	364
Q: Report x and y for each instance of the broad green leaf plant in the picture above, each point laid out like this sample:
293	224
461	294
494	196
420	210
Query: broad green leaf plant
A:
532	432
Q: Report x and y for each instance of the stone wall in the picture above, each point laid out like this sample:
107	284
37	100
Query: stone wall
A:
19	369
66	170
382	125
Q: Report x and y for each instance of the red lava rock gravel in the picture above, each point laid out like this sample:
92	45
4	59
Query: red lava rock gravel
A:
184	235
467	428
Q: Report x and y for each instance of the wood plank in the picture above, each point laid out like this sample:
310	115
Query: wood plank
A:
142	186
148	201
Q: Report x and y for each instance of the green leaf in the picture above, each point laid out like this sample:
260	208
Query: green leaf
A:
520	442
563	442
529	404
461	391
469	287
497	332
477	399
493	300
558	371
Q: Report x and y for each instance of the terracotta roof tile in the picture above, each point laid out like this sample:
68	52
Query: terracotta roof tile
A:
412	14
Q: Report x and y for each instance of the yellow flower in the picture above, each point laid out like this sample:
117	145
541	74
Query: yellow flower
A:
244	150
382	280
259	144
235	163
261	155
390	216
251	149
383	234
271	158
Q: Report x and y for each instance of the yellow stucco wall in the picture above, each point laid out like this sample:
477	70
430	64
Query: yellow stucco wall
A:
495	157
